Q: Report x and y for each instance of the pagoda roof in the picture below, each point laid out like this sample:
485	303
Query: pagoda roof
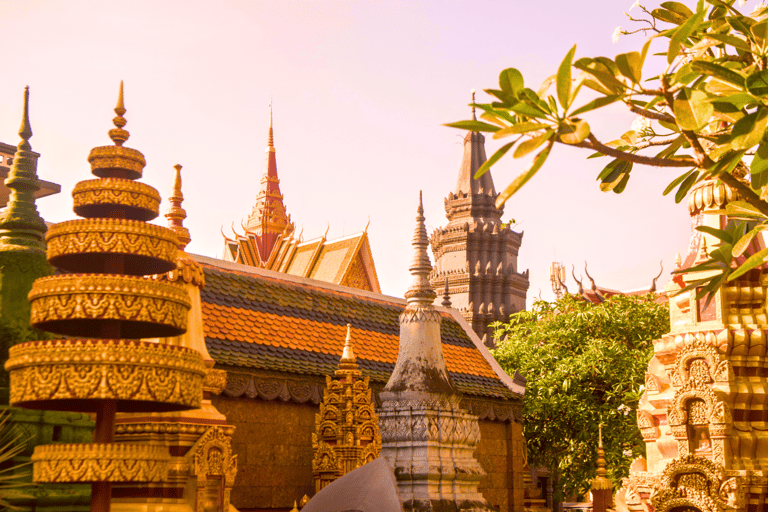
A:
264	321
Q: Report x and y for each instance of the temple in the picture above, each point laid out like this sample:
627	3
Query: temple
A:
269	240
476	253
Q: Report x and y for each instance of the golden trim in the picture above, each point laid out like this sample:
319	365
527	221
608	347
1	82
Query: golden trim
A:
43	372
104	462
61	303
119	192
114	236
104	159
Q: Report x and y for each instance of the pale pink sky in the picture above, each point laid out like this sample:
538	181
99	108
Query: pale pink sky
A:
360	91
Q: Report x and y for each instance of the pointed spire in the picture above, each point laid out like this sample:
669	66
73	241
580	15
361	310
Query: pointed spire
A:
420	292
25	132
474	117
176	214
446	296
601	482
271	137
348	359
21	227
118	135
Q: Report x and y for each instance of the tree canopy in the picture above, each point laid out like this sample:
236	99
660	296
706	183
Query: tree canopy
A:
704	116
585	365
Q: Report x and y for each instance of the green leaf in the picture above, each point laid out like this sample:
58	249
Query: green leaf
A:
718	71
734	41
760	160
757	83
473	126
573	132
748	131
741	24
615	175
677	181
677	8
528	110
531	144
743	243
753	261
596	103
685	186
519	128
692	109
681	34
630	65
717	233
564	79
668	16
511	80
494	158
523	178
760	33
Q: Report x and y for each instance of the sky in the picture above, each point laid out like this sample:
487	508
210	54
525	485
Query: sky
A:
360	93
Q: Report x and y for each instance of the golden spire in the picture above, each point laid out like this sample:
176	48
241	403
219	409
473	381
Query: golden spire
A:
176	214
271	138
348	359
446	296
473	105
601	482
25	132
118	135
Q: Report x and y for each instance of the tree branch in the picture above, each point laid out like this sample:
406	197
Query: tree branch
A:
596	145
747	193
650	114
648	143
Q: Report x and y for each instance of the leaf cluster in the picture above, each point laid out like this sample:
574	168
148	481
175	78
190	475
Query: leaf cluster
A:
585	365
706	112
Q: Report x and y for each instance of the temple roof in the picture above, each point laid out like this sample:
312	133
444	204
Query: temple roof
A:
345	261
256	319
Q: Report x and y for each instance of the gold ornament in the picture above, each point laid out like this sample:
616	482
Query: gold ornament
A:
74	373
141	244
105	462
147	307
95	198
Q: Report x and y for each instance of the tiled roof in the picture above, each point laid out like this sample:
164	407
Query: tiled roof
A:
263	320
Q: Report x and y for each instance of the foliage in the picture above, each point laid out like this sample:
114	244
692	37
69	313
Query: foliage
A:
706	113
11	445
584	364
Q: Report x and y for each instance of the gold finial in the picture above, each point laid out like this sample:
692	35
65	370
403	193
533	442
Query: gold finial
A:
348	355
271	138
176	214
678	261
446	296
295	507
600	435
473	105
601	482
25	132
420	292
118	135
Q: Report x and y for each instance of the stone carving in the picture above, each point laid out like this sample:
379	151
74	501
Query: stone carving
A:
346	428
104	369
104	462
697	483
214	465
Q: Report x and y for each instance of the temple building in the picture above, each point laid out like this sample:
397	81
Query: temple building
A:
476	253
269	240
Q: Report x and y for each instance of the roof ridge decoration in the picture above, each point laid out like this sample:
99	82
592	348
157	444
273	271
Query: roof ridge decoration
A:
175	213
21	227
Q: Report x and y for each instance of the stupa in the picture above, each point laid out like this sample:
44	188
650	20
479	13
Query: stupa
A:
102	294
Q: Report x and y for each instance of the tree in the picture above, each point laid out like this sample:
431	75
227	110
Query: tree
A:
705	112
585	365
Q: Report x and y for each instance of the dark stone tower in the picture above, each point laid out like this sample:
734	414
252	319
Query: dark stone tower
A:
476	252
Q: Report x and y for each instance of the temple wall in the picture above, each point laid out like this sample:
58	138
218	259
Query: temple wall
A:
272	441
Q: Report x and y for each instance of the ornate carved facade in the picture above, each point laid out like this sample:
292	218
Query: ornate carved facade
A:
704	409
476	253
347	427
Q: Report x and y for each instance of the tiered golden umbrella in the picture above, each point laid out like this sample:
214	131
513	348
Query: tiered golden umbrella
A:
106	304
